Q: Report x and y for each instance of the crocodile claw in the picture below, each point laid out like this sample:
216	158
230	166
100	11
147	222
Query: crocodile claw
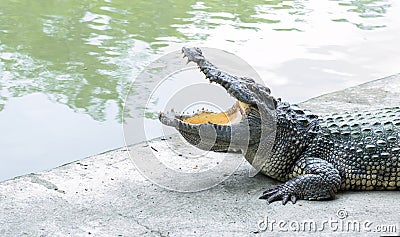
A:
278	193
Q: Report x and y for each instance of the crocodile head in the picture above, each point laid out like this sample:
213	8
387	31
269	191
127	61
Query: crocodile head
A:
235	129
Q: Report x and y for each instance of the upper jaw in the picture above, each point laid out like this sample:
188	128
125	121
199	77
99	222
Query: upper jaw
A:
243	89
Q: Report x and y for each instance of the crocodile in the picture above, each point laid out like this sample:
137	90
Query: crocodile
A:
314	156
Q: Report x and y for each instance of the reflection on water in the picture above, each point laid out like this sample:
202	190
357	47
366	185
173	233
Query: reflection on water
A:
364	9
84	54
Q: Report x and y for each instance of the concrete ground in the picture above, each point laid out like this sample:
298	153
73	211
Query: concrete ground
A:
106	195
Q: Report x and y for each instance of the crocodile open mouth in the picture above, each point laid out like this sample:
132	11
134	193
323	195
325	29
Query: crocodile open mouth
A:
235	128
240	88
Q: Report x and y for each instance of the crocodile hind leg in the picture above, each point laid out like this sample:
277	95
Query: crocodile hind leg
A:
313	179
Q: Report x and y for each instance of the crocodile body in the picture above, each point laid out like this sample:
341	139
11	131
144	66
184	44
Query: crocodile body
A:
363	147
315	156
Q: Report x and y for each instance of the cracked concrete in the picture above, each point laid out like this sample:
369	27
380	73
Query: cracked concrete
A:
105	195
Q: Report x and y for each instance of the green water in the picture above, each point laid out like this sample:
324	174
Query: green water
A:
66	65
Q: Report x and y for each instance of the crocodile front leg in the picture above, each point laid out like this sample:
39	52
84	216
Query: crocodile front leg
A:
313	179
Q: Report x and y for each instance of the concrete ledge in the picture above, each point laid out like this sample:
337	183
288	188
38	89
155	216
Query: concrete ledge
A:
105	195
381	93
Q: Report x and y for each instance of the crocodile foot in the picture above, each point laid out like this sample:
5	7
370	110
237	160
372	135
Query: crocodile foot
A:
316	179
280	192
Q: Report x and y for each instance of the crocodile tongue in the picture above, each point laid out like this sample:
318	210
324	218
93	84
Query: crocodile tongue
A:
231	116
